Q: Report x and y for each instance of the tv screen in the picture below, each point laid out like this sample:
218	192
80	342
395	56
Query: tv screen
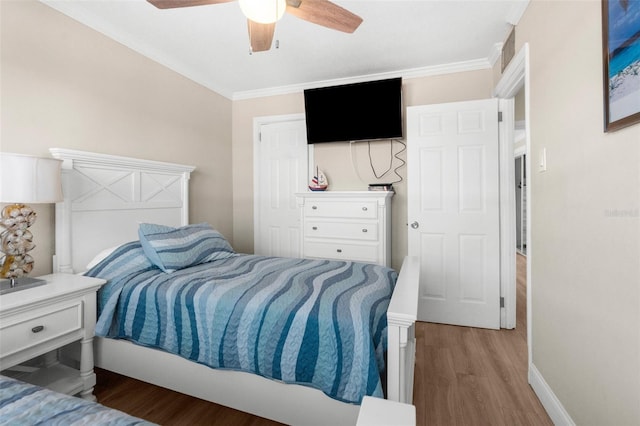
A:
354	112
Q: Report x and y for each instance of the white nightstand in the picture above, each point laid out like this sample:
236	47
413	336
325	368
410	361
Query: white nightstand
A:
39	320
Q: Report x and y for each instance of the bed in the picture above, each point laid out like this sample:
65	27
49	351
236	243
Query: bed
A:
108	197
26	404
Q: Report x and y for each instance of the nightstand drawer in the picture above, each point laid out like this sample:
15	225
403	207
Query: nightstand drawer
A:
358	253
39	327
348	209
350	231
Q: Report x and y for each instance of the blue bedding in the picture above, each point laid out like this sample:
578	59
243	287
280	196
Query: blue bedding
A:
25	404
313	322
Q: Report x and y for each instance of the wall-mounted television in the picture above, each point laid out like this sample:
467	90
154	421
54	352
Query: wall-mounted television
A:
354	112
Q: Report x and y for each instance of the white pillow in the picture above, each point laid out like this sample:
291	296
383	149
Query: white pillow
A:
100	257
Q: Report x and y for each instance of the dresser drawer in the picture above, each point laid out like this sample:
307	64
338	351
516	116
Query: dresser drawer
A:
34	328
343	209
344	230
356	252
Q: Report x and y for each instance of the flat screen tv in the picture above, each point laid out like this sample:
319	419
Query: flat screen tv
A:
354	112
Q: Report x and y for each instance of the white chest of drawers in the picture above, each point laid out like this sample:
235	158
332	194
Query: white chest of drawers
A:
39	320
346	225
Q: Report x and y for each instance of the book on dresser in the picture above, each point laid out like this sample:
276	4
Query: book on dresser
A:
346	225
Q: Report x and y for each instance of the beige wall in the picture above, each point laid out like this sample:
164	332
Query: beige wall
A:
244	113
585	244
65	85
335	158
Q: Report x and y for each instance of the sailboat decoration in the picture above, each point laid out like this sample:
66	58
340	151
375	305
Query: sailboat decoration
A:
319	181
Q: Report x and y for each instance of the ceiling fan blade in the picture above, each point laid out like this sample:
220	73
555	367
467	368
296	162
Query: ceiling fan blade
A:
170	4
325	13
260	35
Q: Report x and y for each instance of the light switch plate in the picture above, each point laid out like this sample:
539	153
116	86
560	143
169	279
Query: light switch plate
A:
542	163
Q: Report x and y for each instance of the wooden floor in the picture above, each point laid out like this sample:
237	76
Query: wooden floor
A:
464	376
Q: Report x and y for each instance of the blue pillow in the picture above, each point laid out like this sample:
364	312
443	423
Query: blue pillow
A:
171	249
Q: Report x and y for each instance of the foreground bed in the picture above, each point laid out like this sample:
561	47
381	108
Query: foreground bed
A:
25	404
106	197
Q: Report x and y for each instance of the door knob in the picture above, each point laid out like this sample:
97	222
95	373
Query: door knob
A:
415	225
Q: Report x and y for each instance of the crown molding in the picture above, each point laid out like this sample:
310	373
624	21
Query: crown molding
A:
473	65
107	29
496	52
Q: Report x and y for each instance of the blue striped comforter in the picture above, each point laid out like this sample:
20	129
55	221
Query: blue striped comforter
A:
314	322
25	404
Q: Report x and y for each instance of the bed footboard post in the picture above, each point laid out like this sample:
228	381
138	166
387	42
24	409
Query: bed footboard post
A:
401	318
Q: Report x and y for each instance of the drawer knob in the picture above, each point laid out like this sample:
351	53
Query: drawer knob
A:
315	228
364	209
37	329
314	207
365	230
339	250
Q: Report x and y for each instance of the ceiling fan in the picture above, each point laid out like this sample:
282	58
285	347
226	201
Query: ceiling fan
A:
263	14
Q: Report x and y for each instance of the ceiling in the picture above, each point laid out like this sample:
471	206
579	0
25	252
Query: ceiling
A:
209	44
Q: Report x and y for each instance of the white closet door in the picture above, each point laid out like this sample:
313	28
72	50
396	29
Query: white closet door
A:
282	171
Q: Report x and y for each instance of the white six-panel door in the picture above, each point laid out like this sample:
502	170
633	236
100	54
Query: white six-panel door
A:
281	163
453	211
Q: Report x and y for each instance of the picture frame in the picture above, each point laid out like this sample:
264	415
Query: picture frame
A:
621	63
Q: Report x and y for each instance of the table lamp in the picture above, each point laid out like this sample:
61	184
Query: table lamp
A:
23	179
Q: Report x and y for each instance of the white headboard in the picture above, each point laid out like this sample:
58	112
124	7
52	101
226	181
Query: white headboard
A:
106	197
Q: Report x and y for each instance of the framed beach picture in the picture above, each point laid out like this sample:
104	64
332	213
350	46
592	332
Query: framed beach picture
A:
621	59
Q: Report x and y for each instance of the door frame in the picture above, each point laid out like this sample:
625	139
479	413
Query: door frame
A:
514	78
258	122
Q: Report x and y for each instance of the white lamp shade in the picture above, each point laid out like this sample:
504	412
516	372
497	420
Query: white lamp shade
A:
263	11
29	180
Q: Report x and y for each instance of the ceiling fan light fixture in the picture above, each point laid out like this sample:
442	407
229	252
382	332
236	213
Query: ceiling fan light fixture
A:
263	11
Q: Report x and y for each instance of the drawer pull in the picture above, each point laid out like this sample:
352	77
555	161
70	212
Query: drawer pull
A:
314	207
339	250
37	329
365	230
315	228
364	209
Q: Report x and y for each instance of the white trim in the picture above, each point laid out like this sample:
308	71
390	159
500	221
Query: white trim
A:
456	67
548	399
520	127
515	77
507	220
495	53
519	151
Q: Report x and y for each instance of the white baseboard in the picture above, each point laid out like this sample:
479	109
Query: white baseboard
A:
550	402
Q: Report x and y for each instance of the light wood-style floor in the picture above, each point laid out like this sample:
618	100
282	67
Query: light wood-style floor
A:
464	376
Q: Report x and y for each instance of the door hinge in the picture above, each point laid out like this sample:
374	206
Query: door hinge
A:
499	116
502	302
259	136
